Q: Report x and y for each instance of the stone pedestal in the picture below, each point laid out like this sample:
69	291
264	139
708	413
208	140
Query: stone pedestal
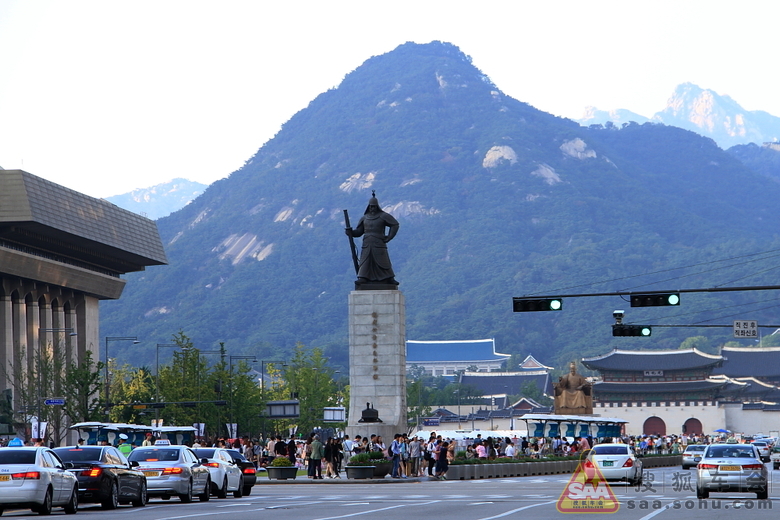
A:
377	362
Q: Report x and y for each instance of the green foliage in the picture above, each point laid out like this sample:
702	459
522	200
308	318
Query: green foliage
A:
280	462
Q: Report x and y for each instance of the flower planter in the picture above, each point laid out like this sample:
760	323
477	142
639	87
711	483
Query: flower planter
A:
382	469
360	472
282	472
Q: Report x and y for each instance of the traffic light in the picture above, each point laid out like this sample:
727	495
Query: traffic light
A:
632	330
536	304
655	300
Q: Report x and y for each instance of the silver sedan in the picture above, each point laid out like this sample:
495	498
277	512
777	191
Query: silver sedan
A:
731	468
36	478
172	471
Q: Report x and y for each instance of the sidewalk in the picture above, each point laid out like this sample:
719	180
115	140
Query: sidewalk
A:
263	480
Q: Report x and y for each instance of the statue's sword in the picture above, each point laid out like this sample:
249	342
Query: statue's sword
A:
351	242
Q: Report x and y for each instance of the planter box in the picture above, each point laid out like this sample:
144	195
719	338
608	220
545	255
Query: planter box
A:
281	472
360	472
382	469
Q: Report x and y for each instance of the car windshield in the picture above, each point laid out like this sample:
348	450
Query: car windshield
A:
11	456
204	453
78	454
720	452
153	454
610	450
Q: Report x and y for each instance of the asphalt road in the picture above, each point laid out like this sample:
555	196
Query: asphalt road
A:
667	494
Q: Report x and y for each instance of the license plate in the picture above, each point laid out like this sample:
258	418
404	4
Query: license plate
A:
607	463
5	478
731	468
151	473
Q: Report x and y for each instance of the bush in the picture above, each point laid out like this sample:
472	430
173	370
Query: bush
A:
279	462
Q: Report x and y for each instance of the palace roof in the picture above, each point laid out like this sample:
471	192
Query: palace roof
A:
720	384
641	360
419	352
750	362
495	383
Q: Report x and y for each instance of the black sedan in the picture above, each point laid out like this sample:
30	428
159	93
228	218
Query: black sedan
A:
247	469
105	476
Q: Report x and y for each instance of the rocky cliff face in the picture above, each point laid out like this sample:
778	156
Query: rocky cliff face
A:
703	111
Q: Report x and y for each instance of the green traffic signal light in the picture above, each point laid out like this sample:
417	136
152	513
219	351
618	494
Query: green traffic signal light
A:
655	300
536	304
632	330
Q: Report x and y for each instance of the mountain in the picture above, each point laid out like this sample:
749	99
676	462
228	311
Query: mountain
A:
495	199
160	200
594	116
702	111
764	159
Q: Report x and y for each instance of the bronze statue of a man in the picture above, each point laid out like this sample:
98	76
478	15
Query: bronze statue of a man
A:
573	393
374	266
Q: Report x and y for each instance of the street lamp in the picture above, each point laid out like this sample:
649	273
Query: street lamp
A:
135	341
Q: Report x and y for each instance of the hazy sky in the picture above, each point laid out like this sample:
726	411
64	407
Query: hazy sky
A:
106	96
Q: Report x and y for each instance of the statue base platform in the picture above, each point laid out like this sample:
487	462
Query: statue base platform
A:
363	286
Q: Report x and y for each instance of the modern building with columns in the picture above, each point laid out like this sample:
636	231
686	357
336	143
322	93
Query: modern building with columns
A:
61	252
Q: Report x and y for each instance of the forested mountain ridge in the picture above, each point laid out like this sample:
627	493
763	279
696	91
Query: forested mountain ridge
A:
495	199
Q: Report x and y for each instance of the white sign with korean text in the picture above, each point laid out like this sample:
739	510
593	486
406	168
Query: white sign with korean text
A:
746	329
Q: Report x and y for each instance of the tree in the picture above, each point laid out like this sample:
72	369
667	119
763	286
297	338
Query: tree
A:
308	376
82	390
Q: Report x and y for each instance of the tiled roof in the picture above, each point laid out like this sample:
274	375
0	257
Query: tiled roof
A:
494	383
721	384
635	360
465	350
750	362
63	221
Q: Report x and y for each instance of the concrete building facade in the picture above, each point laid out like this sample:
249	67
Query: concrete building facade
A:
61	252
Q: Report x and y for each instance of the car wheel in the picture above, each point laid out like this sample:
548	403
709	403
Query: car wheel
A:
222	492
45	508
247	490
143	496
186	497
239	492
206	495
112	500
763	495
702	493
72	507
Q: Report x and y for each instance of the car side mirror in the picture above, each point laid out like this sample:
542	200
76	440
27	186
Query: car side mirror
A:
69	465
204	460
134	464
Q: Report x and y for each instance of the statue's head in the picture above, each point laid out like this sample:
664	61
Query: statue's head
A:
572	367
373	204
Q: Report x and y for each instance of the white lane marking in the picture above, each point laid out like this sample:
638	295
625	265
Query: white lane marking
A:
658	512
518	509
375	510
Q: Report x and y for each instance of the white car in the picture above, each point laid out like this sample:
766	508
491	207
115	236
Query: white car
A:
36	478
692	455
226	476
763	449
616	462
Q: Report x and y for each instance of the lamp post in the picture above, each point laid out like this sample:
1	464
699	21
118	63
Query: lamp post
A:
71	332
135	341
232	389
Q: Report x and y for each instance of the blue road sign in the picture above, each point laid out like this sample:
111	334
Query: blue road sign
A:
54	401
